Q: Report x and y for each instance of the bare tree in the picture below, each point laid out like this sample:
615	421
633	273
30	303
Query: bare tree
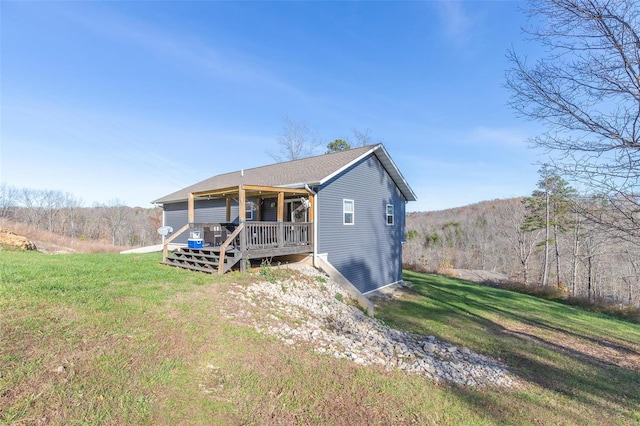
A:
522	240
8	199
587	92
71	218
296	140
362	137
632	277
31	200
595	247
116	218
576	235
52	205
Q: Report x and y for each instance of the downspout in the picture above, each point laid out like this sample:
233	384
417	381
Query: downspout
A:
315	225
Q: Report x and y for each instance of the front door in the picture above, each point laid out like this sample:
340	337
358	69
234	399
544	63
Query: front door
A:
295	211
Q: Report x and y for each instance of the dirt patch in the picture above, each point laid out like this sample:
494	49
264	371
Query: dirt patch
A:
478	275
601	351
10	238
52	248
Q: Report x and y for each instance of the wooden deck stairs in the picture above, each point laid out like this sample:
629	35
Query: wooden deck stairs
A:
203	259
239	242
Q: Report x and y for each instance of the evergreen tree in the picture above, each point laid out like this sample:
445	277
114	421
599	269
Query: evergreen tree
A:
548	209
338	145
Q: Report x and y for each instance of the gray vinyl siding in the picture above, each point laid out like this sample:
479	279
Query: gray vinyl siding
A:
207	211
175	216
369	252
269	214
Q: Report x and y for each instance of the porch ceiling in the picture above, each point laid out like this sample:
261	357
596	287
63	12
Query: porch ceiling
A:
251	191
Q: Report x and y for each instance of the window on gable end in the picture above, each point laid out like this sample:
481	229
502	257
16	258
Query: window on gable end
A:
348	211
390	214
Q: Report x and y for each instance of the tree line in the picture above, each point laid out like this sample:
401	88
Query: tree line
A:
543	240
64	214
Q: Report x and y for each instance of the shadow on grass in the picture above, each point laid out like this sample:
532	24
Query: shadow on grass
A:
468	298
542	342
549	315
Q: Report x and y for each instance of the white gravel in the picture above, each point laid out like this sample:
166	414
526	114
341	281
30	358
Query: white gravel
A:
312	310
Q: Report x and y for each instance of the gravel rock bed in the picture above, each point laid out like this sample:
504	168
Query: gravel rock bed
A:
310	308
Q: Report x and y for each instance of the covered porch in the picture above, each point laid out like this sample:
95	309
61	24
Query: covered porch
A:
226	244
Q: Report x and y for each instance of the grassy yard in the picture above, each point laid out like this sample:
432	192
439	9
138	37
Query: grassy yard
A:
114	339
577	366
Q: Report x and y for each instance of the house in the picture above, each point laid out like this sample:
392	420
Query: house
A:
345	209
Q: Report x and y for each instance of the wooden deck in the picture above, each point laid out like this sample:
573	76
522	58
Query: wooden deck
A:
226	244
277	238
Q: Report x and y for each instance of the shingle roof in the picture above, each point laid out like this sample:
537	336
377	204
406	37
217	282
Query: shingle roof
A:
296	173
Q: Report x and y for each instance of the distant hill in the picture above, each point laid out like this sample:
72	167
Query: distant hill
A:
586	262
468	237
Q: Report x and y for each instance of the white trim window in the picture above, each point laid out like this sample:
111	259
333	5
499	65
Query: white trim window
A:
390	214
348	212
248	210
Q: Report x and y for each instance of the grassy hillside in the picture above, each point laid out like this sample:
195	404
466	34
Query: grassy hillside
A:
113	339
581	366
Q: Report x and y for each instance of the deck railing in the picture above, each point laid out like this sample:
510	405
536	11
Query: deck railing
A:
264	235
255	236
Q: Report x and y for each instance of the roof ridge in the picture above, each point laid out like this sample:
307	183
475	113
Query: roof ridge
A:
312	170
300	159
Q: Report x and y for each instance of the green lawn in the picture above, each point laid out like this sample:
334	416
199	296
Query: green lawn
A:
581	365
115	339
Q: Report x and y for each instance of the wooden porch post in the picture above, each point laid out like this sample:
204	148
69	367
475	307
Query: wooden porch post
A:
228	209
259	208
280	206
312	201
242	217
280	241
191	217
310	216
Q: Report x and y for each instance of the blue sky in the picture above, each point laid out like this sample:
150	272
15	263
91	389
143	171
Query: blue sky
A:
134	100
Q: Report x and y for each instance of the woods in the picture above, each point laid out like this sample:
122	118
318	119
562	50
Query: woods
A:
64	214
552	247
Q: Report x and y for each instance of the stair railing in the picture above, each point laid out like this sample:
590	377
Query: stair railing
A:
223	247
165	247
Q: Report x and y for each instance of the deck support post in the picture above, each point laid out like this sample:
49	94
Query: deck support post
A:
228	209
